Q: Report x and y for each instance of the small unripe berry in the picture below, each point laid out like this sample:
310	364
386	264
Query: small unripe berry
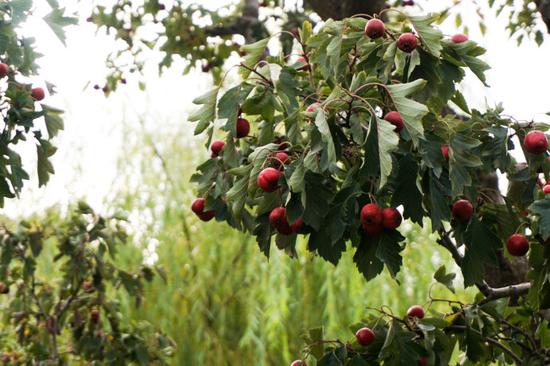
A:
38	94
391	218
445	152
536	142
407	42
375	28
395	119
216	147
416	311
243	128
365	336
313	107
517	245
4	69
463	210
268	179
306	66
459	38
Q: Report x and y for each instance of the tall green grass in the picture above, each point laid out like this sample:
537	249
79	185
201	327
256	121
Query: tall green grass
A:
223	302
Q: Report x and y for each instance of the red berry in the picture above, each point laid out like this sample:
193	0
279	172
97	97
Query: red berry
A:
296	226
459	38
395	119
423	361
375	28
391	218
281	158
306	66
243	128
313	107
365	336
4	69
198	208
463	210
536	142
445	152
279	221
268	179
371	214
298	363
416	311
372	229
407	42
216	147
517	245
546	189
38	94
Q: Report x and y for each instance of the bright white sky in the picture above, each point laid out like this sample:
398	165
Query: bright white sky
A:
89	147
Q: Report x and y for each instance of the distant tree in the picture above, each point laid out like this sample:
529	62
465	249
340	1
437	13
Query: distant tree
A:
23	112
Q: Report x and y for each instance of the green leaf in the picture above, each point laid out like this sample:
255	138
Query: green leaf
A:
408	191
462	155
387	143
317	200
445	278
399	348
481	247
44	150
207	113
254	53
410	110
324	129
57	20
542	209
431	37
440	189
54	122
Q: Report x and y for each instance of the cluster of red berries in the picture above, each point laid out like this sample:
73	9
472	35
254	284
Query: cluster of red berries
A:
374	219
407	42
243	129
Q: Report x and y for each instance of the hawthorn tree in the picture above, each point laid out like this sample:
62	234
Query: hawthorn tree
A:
24	114
366	121
67	312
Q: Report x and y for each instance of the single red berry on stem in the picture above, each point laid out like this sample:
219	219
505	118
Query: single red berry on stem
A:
517	245
459	38
463	210
535	142
375	28
296	226
281	158
416	311
407	42
38	94
198	208
268	179
445	152
546	189
243	128
4	69
365	336
216	147
391	218
395	119
423	361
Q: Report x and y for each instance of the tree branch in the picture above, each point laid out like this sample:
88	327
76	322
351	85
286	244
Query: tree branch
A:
345	8
543	7
243	25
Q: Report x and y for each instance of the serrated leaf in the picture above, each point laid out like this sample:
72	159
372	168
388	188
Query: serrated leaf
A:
207	112
254	53
481	246
324	129
431	37
541	208
411	111
445	278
